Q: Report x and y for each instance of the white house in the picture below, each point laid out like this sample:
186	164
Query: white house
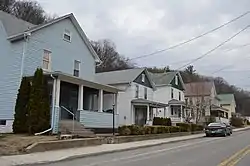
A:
170	90
136	99
228	101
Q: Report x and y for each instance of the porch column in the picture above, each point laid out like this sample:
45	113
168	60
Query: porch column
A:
148	112
56	109
115	102
80	98
100	101
182	115
164	112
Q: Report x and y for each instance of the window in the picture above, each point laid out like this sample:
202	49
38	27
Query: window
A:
176	80
137	91
145	93
172	93
76	68
46	60
180	96
143	78
2	122
172	110
67	36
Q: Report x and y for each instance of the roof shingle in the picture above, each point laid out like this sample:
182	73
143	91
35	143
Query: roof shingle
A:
118	77
199	88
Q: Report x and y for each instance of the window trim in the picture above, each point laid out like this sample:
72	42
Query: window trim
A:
137	88
75	67
145	93
49	60
68	34
172	93
179	96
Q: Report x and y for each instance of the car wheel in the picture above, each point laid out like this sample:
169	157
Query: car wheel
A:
207	135
224	134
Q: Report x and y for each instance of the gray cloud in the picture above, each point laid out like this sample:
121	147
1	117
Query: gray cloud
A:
144	26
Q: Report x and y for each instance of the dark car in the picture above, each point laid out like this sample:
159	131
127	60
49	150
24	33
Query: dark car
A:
230	128
217	129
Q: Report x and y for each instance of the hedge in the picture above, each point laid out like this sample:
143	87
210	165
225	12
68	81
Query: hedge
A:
162	121
143	130
189	127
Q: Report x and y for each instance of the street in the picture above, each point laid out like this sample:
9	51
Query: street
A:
213	151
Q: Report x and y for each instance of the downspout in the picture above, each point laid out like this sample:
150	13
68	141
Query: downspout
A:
25	36
53	107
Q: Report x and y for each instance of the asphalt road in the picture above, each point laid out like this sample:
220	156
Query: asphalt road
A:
215	151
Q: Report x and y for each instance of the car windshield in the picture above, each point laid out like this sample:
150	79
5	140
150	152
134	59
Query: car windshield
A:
215	124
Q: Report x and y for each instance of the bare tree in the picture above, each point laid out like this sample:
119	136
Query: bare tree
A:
198	104
6	5
111	59
30	11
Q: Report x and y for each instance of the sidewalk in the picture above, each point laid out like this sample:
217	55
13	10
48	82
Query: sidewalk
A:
53	156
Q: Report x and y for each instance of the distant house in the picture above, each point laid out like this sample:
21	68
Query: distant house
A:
136	98
170	89
228	101
202	98
61	48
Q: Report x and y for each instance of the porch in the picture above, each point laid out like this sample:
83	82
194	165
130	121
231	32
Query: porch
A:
177	111
90	103
220	113
143	111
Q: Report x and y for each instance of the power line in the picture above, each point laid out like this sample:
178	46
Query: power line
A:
215	48
192	39
223	68
226	51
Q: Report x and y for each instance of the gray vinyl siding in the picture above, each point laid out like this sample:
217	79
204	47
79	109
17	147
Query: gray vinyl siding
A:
63	53
93	119
9	74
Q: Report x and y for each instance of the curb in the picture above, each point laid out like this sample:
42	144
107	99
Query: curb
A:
118	150
108	152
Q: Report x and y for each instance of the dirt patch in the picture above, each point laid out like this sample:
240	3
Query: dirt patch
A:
12	144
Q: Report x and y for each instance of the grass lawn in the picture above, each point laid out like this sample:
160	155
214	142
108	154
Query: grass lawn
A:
11	144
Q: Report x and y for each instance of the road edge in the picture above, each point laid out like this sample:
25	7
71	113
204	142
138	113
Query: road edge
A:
119	150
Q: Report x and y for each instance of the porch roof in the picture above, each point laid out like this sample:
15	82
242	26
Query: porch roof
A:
216	108
151	103
76	80
176	102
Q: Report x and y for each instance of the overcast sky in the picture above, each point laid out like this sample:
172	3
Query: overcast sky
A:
139	27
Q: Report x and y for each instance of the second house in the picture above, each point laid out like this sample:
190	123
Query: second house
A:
136	102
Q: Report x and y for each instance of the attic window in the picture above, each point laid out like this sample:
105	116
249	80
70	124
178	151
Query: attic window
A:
176	80
143	78
67	35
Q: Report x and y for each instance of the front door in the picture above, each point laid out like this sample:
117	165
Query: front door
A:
140	115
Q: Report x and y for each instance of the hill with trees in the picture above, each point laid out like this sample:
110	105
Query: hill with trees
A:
31	11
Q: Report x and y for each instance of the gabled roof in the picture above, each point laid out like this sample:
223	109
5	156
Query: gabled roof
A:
162	78
16	28
165	78
14	25
122	76
199	88
226	98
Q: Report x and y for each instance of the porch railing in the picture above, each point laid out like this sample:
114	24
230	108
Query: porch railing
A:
73	122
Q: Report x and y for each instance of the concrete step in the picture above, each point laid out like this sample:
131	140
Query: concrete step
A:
66	127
